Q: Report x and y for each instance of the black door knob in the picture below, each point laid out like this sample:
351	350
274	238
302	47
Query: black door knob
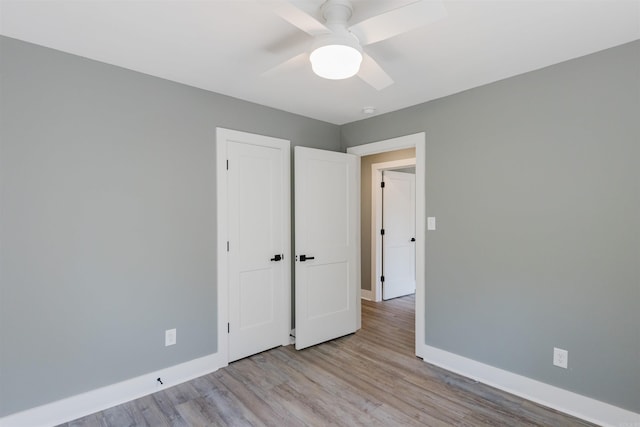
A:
276	257
413	239
303	258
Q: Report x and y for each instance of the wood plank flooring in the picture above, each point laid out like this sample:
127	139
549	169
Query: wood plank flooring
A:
371	378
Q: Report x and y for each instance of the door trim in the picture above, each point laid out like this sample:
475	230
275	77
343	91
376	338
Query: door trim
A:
222	228
376	220
417	140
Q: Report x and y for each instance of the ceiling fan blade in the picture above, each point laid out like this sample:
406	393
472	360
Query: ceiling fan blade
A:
372	73
296	41
291	63
300	18
398	21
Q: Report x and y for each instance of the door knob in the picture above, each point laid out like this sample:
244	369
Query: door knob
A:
276	257
413	239
303	258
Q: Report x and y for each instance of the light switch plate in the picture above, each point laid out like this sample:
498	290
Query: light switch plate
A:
431	223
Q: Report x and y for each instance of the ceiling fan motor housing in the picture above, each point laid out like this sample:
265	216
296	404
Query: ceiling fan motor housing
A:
337	12
338	54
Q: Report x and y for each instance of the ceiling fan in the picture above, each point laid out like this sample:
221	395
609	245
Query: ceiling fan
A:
337	50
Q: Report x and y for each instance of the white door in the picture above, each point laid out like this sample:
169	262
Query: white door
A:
327	236
398	241
259	232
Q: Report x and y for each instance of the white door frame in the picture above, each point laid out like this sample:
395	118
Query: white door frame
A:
376	220
222	233
418	141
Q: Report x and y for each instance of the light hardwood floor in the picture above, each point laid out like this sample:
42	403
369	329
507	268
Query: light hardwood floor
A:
371	378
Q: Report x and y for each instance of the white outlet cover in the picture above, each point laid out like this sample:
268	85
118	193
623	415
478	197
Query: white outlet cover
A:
560	358
170	336
431	223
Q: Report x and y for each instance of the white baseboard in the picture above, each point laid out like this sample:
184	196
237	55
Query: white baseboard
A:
562	400
102	398
366	294
106	397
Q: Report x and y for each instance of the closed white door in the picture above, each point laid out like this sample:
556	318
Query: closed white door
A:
258	227
398	241
327	238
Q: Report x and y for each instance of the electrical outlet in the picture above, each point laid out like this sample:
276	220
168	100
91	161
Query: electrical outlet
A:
560	358
170	337
431	223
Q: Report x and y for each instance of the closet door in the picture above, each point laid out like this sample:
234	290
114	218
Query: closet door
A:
258	218
327	239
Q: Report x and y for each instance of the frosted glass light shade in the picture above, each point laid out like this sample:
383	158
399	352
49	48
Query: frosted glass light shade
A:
336	61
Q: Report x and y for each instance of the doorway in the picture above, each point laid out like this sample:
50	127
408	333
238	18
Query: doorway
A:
418	142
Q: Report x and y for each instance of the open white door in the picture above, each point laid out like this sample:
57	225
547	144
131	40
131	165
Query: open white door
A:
399	224
327	230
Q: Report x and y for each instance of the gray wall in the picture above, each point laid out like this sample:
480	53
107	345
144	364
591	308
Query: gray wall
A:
365	206
107	227
107	220
534	181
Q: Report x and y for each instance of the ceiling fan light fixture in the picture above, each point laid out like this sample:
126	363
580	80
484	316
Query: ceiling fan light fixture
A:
336	58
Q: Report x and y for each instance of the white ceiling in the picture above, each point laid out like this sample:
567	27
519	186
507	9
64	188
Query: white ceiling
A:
227	46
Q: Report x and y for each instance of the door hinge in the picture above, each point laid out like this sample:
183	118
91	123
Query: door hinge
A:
227	164
227	246
228	328
382	232
382	184
382	278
